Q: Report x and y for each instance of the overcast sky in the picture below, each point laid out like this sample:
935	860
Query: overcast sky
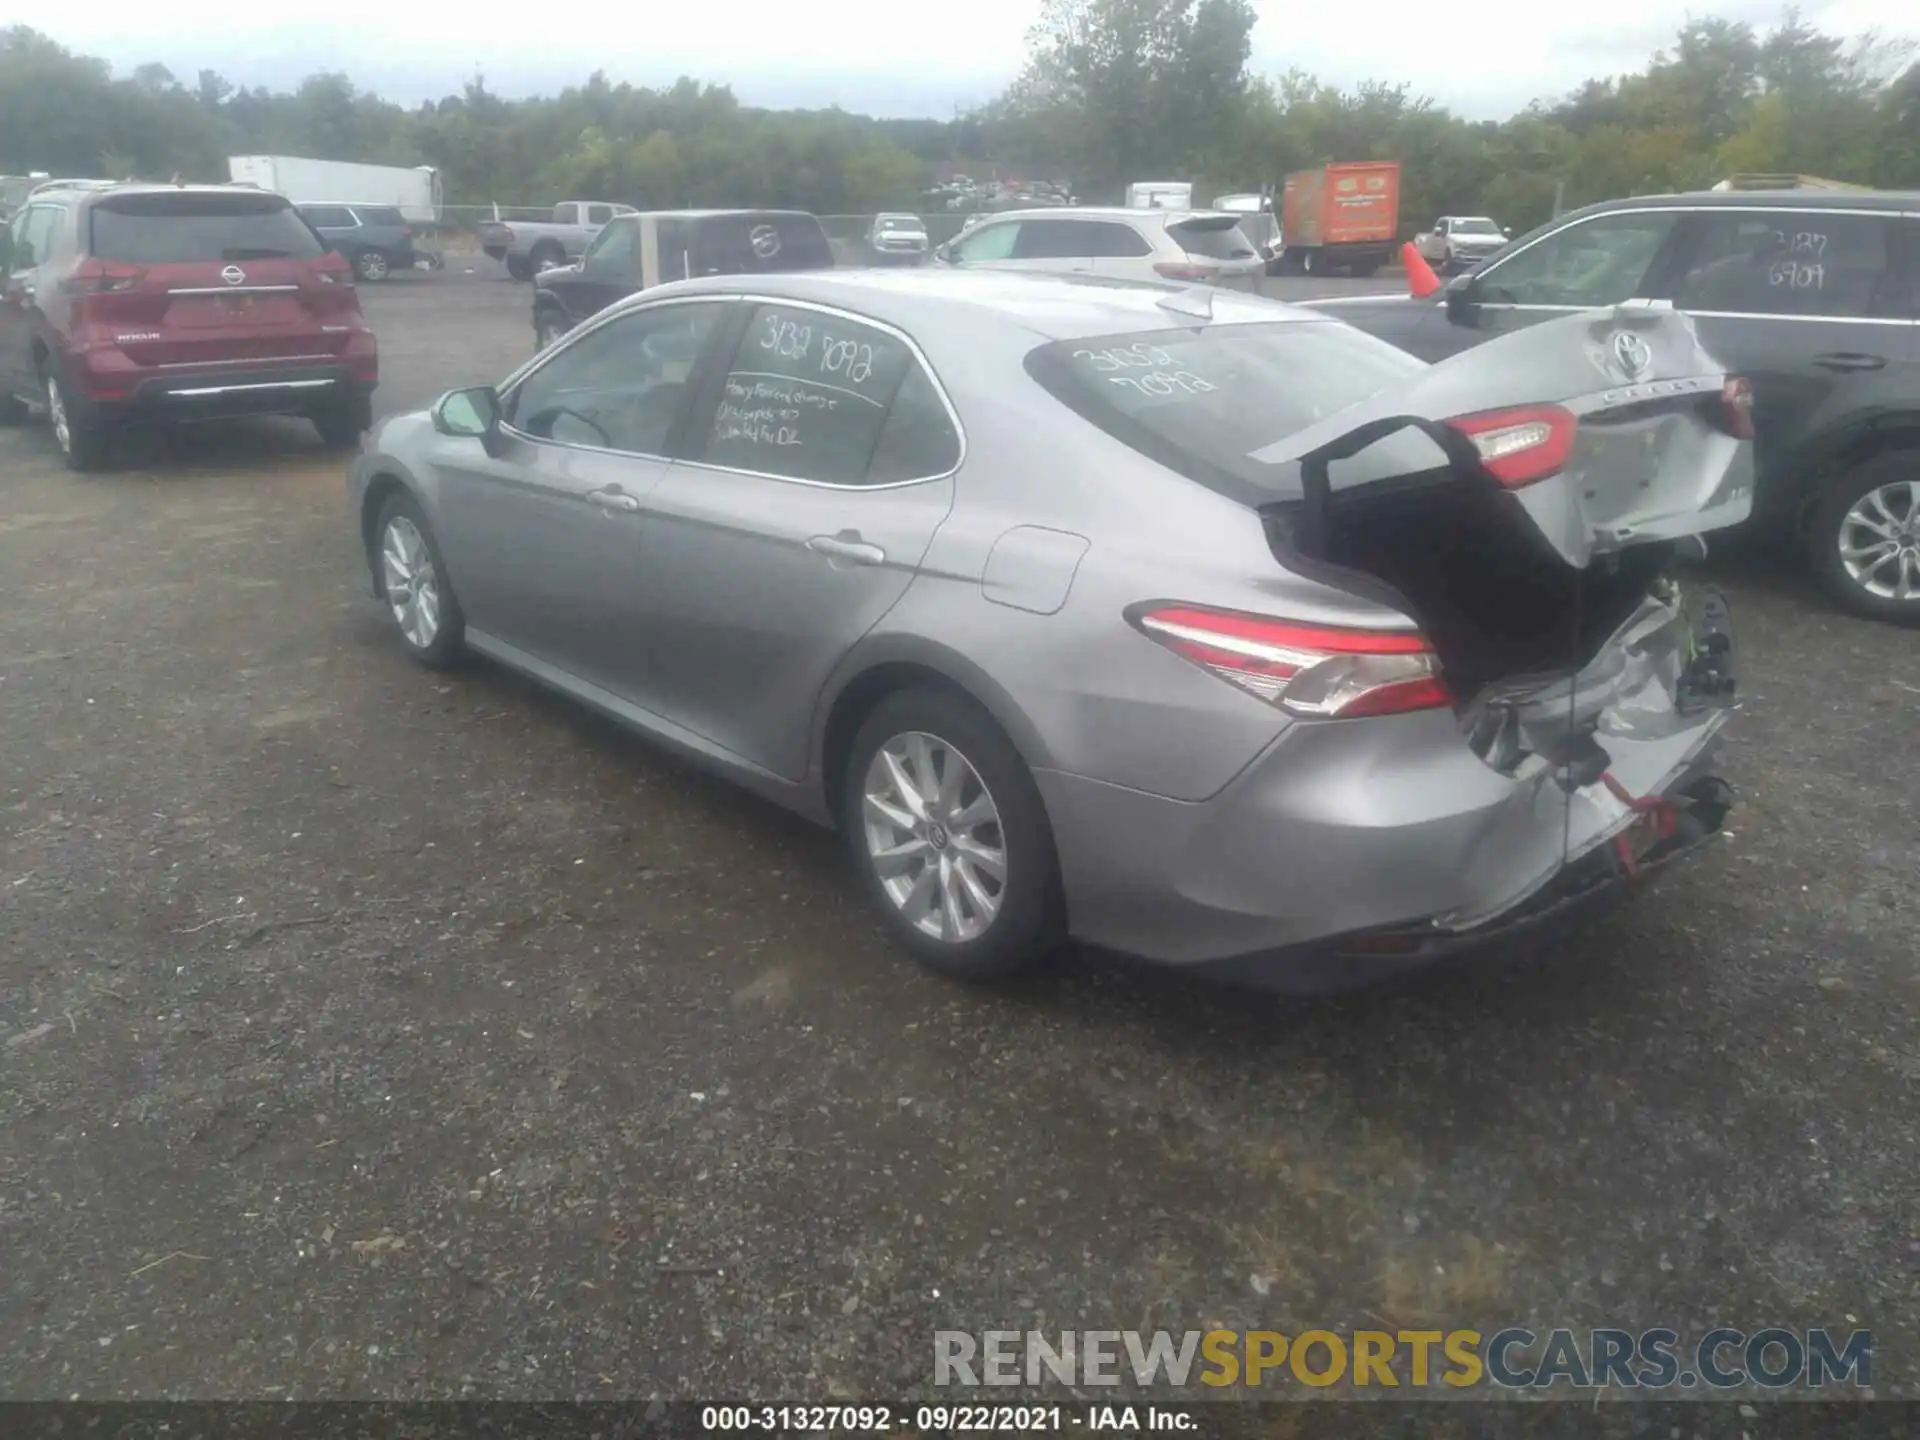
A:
882	57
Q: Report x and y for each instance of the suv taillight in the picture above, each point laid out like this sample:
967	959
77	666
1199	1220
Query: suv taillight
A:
406	232
332	269
94	276
1183	270
1316	671
1736	407
1522	446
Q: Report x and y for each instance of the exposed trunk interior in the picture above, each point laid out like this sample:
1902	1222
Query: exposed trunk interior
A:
1492	595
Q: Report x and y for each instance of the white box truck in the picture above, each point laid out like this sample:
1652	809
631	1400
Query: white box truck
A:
415	190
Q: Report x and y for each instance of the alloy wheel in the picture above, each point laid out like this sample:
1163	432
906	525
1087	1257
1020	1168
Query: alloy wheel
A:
57	417
1880	541
933	837
413	589
373	265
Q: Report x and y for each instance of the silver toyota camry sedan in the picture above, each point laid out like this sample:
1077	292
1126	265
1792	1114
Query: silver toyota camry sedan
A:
1178	621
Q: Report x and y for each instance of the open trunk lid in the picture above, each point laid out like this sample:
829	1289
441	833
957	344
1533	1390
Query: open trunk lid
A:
1608	430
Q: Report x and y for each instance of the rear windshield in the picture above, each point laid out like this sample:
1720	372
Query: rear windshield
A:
380	215
165	229
745	244
1200	401
1221	239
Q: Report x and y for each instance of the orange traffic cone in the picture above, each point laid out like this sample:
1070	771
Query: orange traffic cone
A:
1420	277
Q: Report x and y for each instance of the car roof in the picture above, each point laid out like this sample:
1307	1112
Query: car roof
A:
1890	200
1112	212
724	214
1054	307
136	187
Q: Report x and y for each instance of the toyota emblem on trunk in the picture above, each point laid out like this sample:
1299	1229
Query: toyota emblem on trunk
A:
233	275
1631	354
765	241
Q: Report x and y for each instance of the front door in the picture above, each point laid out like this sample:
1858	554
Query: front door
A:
609	271
1589	264
1812	307
814	477
543	542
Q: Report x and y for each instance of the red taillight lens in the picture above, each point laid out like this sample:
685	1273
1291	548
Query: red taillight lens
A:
406	232
1736	407
1520	447
332	270
1179	270
506	233
1310	670
102	277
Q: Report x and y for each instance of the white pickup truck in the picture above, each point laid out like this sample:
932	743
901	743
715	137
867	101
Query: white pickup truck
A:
526	247
1457	242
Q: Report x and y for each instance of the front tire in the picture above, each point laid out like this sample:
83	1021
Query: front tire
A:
950	837
414	584
1864	538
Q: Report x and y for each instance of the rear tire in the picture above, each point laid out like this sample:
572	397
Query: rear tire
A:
76	425
341	423
519	267
1863	538
427	614
371	265
975	811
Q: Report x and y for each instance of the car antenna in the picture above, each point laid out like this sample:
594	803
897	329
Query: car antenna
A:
1195	300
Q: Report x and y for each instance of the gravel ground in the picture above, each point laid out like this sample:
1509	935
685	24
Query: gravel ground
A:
372	1033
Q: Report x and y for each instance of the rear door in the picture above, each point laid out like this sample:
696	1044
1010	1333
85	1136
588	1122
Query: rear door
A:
814	476
30	243
1813	306
1068	246
212	278
335	224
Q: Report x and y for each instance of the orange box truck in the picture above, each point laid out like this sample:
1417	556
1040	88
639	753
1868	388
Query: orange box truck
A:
1340	217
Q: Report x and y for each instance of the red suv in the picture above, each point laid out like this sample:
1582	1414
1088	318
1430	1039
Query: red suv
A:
131	303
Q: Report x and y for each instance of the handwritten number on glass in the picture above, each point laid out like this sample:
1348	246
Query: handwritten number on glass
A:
786	339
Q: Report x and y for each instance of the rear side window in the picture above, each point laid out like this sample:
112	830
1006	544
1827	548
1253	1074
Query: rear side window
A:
811	396
1201	401
1790	262
177	227
1212	240
751	244
599	214
380	215
329	217
1078	239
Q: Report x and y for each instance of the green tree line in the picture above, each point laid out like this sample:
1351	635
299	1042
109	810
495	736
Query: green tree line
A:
1113	90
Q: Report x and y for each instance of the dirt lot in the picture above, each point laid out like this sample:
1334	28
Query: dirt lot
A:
365	1032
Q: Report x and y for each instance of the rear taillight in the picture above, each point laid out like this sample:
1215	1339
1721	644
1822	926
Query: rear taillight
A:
1520	447
1183	270
406	232
506	233
1736	407
332	270
1309	670
102	277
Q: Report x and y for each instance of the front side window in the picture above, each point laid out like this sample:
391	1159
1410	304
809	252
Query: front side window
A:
34	235
1789	262
619	386
809	396
381	215
1592	263
989	242
615	250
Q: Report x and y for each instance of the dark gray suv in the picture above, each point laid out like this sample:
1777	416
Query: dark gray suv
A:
375	239
1814	296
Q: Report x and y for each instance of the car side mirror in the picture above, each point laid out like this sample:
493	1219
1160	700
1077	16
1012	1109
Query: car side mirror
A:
1463	299
470	414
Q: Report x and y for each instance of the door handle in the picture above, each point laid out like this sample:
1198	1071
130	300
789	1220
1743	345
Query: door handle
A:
847	547
613	500
1849	360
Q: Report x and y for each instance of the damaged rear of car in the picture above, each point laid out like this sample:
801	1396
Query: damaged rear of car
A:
1520	717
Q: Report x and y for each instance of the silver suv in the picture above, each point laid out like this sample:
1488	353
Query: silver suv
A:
1194	246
